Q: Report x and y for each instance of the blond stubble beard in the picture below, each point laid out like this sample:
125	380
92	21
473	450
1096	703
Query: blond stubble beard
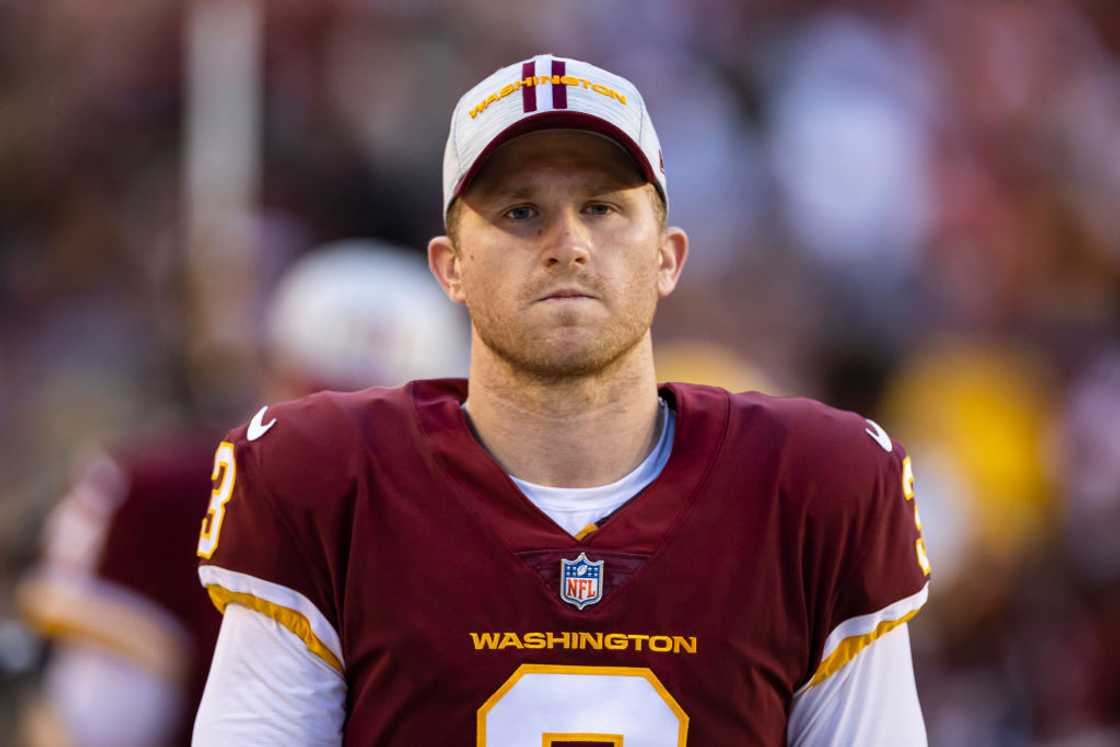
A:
530	355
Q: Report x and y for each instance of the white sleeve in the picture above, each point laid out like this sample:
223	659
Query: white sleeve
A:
109	699
266	688
872	701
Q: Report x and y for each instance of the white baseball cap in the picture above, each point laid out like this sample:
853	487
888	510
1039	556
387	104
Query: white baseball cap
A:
547	92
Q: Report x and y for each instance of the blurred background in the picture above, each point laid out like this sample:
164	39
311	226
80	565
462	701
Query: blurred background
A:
910	209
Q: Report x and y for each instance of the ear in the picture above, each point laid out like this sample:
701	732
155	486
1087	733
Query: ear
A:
443	261
671	256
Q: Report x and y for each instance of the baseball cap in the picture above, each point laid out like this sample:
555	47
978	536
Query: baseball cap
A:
547	92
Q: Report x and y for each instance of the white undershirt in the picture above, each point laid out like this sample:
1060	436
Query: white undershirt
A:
574	508
266	688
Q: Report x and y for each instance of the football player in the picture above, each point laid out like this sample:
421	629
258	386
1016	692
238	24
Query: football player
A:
117	588
559	551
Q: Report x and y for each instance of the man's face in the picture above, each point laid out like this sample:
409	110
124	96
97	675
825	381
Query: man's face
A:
559	252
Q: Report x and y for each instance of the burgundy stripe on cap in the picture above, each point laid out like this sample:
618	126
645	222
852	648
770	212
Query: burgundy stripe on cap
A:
559	91
528	93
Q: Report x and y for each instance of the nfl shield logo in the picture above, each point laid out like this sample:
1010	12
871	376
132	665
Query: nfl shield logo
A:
581	581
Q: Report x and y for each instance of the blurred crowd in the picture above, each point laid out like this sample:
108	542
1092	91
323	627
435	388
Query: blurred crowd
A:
910	209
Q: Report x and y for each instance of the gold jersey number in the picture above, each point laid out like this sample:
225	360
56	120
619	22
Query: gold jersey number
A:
224	476
908	493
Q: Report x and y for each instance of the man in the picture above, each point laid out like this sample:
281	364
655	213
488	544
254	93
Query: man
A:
133	633
558	551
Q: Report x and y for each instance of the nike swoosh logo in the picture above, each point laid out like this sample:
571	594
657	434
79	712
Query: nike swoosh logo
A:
257	426
878	434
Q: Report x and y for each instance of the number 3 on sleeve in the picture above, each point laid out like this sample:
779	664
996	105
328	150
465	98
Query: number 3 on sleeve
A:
908	494
224	476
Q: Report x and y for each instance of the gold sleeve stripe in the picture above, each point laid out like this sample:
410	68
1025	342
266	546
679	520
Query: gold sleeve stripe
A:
592	527
290	619
63	611
849	648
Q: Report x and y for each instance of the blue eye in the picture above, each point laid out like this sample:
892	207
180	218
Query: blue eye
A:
598	208
521	212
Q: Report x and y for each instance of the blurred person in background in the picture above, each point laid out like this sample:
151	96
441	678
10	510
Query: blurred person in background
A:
116	590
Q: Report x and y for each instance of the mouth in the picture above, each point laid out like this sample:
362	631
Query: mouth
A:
567	294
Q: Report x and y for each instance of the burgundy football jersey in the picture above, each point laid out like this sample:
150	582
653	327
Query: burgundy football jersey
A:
118	570
377	528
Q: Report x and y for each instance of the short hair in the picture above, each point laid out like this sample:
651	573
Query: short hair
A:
455	214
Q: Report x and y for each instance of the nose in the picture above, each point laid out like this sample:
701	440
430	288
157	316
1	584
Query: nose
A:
567	241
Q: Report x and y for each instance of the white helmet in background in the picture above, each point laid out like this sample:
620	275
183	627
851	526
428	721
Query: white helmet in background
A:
358	313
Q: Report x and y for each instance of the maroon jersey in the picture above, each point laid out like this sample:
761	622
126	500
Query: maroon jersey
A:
118	570
378	529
